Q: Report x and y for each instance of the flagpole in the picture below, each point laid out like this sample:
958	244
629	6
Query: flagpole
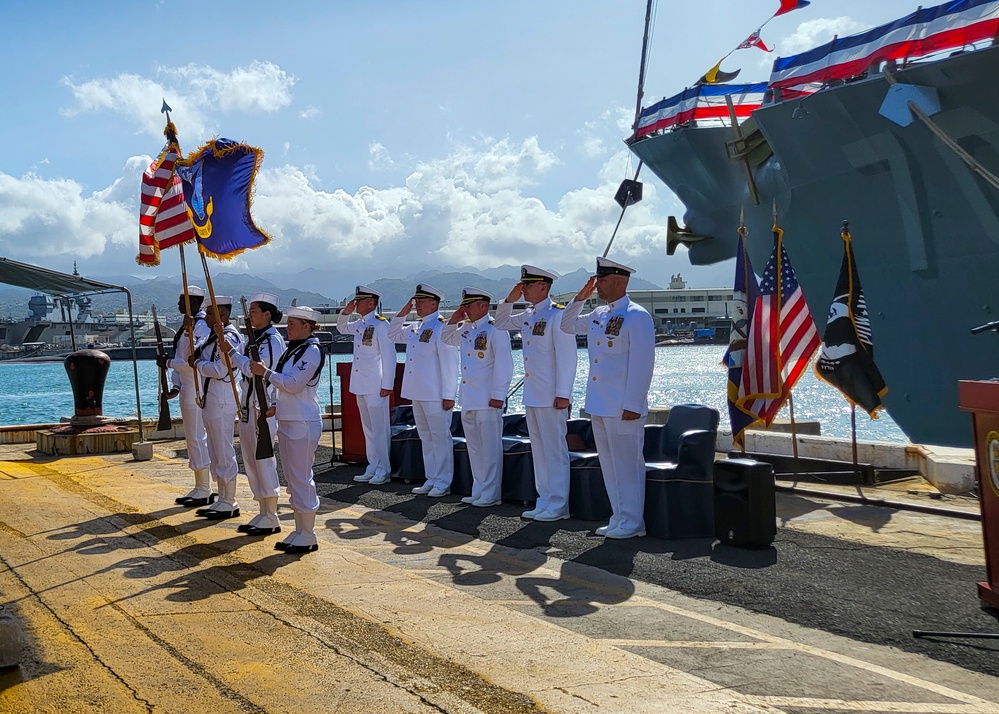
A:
218	320
853	437
171	136
790	395
744	233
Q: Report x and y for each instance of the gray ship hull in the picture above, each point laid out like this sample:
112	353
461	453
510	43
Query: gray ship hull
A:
925	227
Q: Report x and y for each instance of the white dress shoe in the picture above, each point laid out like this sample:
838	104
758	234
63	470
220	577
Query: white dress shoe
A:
602	530
423	490
548	516
531	514
485	503
379	480
468	499
362	478
439	492
621	534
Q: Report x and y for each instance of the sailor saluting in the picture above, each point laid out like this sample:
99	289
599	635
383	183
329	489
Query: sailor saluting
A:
183	381
371	378
219	407
430	381
549	372
296	377
261	473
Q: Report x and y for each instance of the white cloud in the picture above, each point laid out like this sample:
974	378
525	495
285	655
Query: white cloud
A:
379	158
815	32
195	91
310	112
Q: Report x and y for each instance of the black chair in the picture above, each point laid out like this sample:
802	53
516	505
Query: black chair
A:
518	461
679	489
587	494
405	447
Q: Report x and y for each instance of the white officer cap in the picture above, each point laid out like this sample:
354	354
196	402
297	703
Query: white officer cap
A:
193	291
533	274
220	300
470	295
265	297
303	312
605	266
425	290
362	292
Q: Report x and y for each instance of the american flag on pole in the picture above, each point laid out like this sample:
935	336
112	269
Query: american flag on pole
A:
782	338
163	219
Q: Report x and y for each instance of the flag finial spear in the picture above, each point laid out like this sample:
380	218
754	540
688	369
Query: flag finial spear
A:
166	109
775	213
742	222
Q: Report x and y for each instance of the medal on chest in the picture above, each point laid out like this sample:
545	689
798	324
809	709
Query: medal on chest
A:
539	327
481	341
425	335
369	332
614	326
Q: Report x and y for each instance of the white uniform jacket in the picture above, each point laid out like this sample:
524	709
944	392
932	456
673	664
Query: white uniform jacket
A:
622	341
270	347
374	353
211	365
549	353
486	361
182	376
431	372
296	376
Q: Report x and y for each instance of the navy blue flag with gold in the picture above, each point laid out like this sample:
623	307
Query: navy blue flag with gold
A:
746	290
846	358
218	190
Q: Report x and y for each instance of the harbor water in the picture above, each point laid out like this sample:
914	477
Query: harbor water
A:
39	393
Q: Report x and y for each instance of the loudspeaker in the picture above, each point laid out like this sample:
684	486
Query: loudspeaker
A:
745	502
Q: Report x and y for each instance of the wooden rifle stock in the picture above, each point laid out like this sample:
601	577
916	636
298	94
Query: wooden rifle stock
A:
164	422
265	442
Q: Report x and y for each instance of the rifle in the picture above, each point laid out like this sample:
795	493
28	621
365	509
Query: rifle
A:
265	445
164	423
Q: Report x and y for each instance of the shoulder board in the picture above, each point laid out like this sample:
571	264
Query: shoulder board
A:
382	318
558	306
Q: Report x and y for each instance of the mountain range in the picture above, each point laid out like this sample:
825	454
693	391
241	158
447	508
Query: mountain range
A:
313	287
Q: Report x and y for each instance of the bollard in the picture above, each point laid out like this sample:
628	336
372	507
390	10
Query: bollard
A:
87	371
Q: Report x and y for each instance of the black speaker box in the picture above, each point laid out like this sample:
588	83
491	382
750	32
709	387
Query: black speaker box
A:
745	502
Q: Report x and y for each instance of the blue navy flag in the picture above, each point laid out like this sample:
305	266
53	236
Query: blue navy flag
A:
218	190
846	358
744	295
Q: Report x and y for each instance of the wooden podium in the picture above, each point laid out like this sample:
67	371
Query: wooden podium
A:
982	400
352	435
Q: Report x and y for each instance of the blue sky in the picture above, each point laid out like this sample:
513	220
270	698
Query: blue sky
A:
398	135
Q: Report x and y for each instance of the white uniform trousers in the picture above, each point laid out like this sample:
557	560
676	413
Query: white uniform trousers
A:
219	419
433	424
262	475
619	445
297	442
194	434
546	427
375	425
484	437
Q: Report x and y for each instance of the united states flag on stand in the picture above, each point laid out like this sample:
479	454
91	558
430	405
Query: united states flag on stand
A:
782	338
163	219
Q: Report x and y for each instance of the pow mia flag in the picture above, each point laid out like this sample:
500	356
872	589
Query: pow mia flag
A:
846	357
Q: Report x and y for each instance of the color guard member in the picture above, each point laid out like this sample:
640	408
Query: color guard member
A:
262	474
371	378
219	408
486	372
430	381
549	372
296	377
183	381
621	341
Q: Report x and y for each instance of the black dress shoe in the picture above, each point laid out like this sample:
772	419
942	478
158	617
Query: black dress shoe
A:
219	515
244	527
296	549
281	545
192	502
256	531
202	511
181	500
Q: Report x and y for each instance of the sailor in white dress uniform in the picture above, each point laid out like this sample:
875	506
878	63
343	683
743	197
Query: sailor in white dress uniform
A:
549	373
296	377
220	408
371	378
486	372
430	381
262	474
621	342
183	384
